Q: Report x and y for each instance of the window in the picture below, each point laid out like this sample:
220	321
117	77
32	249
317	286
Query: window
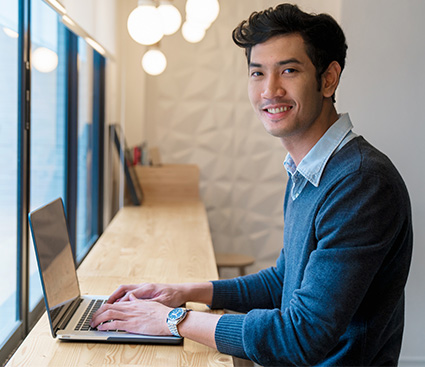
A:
51	136
87	175
8	164
48	118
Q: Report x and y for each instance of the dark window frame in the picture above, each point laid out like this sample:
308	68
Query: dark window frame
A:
72	138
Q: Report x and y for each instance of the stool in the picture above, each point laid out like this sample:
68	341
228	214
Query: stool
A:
232	260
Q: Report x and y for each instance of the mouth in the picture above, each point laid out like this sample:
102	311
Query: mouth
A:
276	110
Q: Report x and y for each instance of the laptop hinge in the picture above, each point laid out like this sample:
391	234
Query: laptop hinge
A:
68	314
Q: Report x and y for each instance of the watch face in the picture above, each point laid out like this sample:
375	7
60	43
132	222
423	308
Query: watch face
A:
176	313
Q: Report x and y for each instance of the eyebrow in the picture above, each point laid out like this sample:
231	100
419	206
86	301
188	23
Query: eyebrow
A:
280	63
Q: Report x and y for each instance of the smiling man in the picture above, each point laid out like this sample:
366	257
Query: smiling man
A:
336	294
284	91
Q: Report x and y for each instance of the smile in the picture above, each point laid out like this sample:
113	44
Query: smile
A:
278	110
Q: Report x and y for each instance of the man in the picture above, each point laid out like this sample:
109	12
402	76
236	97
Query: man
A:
336	294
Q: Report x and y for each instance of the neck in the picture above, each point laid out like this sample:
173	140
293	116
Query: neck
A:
299	145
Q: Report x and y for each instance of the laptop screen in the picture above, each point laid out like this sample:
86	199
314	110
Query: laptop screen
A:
54	255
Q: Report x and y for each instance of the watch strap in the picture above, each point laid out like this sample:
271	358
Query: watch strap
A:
173	329
172	325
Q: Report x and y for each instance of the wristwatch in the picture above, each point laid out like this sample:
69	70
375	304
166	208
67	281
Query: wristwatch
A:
175	317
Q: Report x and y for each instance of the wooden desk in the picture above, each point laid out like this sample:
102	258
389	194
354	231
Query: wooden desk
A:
157	242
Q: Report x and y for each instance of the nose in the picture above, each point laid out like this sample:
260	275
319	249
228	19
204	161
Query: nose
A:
273	88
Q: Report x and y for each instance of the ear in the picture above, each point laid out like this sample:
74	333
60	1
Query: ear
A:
330	79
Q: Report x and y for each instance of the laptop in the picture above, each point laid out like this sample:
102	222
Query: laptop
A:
68	311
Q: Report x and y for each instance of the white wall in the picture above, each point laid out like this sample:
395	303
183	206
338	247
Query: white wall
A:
132	79
383	89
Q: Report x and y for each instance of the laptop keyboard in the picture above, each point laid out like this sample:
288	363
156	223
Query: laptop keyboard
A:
84	323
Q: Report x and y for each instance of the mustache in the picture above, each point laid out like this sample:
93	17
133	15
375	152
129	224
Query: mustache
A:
276	101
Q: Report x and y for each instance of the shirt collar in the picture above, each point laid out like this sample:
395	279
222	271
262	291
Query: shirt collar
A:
313	164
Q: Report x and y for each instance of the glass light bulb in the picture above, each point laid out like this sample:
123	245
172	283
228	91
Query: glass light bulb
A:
44	60
202	11
170	18
154	62
144	25
193	32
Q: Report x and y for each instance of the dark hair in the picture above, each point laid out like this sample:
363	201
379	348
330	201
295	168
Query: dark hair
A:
323	37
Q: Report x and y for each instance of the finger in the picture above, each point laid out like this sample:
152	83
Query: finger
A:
100	318
114	297
119	293
107	316
109	311
144	291
112	325
100	311
132	297
125	298
122	293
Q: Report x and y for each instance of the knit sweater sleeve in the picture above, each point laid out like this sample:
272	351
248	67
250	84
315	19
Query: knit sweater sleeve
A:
262	290
357	224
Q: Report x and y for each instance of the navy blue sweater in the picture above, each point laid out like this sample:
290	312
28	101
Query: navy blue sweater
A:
336	294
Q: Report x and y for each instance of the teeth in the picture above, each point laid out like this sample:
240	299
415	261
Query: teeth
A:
278	110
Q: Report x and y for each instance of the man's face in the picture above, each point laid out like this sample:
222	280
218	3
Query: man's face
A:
283	88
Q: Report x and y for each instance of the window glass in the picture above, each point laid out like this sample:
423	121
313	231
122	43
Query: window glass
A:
8	163
48	118
86	212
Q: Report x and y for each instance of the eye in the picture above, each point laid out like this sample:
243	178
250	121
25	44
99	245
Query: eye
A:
289	71
255	74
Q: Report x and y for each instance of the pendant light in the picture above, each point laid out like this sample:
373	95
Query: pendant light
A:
154	61
193	32
144	23
171	19
202	11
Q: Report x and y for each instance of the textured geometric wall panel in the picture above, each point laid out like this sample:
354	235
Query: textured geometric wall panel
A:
199	112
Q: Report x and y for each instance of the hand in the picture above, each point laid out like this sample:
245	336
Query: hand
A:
171	295
135	316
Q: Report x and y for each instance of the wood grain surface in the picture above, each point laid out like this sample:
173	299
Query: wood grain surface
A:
156	242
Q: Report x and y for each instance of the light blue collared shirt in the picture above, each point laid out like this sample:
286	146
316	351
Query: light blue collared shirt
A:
313	164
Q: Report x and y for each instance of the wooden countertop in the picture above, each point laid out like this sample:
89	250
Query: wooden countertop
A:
156	242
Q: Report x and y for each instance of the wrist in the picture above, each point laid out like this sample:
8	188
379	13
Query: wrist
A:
198	292
200	327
